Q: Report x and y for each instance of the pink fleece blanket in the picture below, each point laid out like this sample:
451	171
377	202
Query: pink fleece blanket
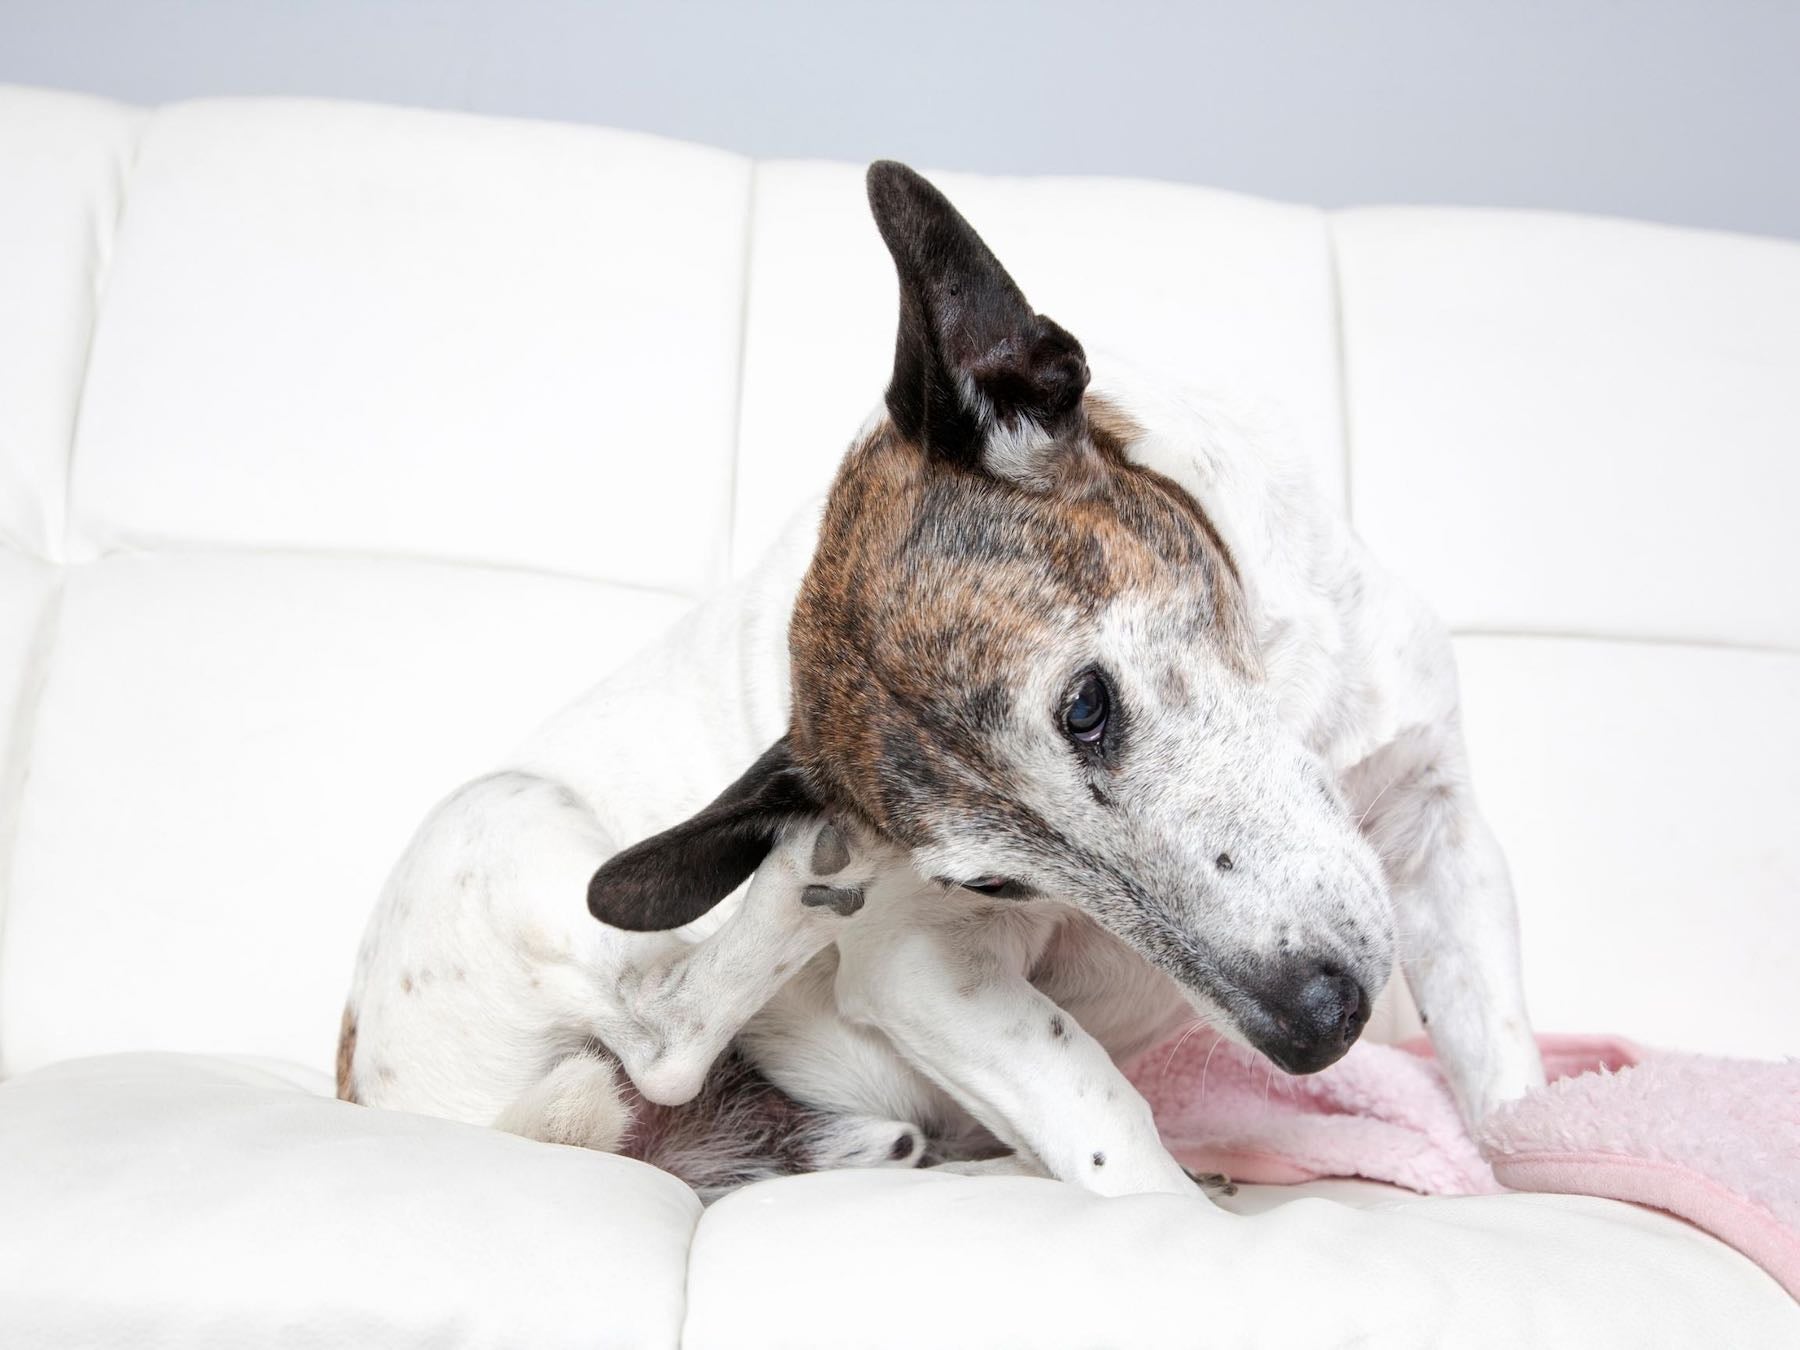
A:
1716	1141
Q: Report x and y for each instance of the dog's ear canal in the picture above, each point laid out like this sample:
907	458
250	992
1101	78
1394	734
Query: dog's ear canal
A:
980	378
674	877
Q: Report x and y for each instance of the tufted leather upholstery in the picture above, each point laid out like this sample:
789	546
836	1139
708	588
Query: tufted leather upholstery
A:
339	445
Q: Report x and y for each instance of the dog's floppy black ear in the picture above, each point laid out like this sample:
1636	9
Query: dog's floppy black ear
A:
980	378
674	877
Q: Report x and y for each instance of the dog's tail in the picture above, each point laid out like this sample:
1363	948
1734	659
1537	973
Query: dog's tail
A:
346	1055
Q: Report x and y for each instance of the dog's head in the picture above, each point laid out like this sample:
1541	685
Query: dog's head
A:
1027	662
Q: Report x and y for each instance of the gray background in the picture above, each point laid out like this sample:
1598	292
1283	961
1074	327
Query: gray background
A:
1673	110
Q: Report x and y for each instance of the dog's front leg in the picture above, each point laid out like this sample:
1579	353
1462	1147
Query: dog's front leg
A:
1458	926
961	1015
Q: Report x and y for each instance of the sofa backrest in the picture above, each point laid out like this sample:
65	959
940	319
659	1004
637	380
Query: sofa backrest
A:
339	445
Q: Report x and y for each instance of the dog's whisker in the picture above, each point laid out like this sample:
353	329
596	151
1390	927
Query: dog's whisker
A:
1206	1068
1169	1058
1378	796
1192	1029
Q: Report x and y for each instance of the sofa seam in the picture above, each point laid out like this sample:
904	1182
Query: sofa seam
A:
15	774
732	475
101	283
192	550
687	1279
1341	353
1459	631
189	549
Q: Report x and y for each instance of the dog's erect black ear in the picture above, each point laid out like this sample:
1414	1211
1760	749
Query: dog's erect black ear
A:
973	362
674	877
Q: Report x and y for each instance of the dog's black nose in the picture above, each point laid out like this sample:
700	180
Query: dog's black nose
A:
1331	1004
1314	1011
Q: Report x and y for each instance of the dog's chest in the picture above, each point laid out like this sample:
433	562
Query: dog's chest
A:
1116	996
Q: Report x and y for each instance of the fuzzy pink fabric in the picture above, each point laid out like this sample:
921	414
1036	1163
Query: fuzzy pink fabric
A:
1715	1141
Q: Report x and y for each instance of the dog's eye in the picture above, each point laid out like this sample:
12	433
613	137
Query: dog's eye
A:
985	885
1085	720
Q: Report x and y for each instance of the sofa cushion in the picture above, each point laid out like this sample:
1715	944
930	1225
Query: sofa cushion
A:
904	1259
398	332
1646	795
229	753
1568	425
179	1200
63	165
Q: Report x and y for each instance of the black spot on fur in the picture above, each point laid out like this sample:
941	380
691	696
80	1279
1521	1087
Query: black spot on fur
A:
903	1147
1057	1028
1223	862
844	900
830	854
1099	1160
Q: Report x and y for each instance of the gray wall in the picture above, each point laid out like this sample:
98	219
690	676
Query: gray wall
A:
1675	110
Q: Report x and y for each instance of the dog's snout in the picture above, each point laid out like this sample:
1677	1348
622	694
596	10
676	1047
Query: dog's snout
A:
1312	1012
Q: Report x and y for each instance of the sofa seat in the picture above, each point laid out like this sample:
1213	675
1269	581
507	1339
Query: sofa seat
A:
195	1200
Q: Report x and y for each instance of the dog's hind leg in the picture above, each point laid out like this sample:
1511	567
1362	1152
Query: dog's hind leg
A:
578	1102
681	1011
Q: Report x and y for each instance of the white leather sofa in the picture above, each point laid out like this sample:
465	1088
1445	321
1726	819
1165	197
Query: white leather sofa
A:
340	445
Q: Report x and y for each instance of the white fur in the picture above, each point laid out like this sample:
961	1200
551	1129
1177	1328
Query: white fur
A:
482	977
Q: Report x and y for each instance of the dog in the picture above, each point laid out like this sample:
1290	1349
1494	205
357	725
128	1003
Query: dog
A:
1099	723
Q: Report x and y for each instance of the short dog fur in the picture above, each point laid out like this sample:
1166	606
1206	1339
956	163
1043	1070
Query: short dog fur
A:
1099	723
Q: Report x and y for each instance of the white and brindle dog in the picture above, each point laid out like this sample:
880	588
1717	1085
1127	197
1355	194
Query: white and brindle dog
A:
1098	722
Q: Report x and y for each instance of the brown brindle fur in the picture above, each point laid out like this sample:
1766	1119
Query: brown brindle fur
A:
934	584
346	1056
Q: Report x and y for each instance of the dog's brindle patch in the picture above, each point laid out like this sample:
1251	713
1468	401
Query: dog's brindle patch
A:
932	587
